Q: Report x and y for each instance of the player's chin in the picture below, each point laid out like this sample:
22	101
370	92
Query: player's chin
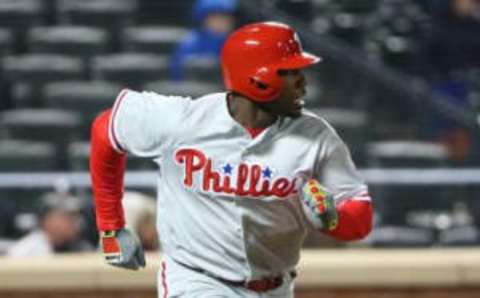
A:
295	112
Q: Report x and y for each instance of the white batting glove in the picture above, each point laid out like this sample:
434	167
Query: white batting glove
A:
319	205
122	249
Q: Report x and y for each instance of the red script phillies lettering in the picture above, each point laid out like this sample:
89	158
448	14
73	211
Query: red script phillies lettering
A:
249	177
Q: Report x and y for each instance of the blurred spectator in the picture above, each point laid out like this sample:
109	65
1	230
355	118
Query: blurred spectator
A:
454	42
455	137
140	213
7	215
213	19
452	49
58	229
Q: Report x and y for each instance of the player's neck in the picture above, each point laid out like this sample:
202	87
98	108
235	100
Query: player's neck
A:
249	114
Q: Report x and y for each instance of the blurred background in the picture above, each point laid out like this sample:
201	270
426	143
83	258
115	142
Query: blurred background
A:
400	82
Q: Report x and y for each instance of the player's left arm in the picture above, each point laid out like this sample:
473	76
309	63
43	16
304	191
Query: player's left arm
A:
338	196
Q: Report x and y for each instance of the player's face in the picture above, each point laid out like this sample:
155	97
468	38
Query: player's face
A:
290	102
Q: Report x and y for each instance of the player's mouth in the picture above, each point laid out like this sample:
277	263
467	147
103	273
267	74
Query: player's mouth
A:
298	103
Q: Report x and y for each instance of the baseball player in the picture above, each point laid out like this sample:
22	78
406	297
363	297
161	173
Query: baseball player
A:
244	174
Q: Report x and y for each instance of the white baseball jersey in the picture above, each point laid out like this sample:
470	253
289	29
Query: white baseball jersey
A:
227	202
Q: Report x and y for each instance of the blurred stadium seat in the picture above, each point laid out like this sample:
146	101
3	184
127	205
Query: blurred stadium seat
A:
401	236
79	41
192	89
358	6
27	73
460	236
348	27
352	126
85	97
397	27
171	13
205	69
41	124
7	47
406	153
42	68
400	206
7	44
130	69
298	8
26	156
107	13
397	51
152	39
58	127
19	14
79	155
112	15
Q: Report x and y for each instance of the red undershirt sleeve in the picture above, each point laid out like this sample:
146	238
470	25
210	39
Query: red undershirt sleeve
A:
355	219
107	168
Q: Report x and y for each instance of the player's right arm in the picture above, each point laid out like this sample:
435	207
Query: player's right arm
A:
134	125
107	167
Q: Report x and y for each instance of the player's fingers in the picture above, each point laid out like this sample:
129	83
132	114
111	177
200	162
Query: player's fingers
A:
131	264
126	262
134	264
141	256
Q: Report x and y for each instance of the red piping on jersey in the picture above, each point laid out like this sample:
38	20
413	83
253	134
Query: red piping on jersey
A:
107	168
117	103
164	280
355	217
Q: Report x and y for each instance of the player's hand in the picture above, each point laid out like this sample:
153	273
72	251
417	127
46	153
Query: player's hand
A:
122	249
319	205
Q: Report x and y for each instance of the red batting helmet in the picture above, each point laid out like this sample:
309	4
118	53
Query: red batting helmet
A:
253	55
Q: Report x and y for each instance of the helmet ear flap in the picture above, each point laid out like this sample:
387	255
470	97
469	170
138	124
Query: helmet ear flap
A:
266	83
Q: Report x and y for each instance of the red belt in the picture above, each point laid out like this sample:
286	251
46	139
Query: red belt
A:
267	283
258	285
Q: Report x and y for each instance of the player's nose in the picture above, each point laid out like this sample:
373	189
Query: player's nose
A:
301	81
